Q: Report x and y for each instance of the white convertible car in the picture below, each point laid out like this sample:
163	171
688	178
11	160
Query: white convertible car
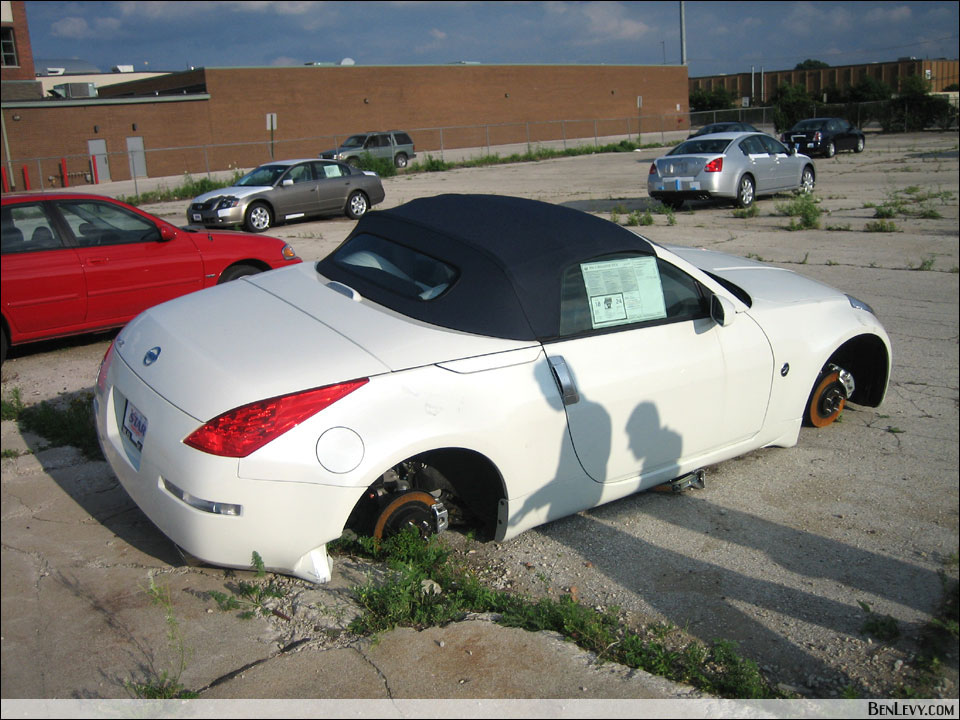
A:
491	360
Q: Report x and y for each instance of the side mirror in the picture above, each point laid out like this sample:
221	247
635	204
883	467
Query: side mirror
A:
167	233
286	182
722	310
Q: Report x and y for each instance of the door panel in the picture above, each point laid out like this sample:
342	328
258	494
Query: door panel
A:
43	284
127	267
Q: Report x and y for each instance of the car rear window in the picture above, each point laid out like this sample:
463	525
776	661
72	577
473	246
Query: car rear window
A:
706	146
395	267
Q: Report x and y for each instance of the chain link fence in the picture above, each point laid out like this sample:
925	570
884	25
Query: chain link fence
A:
446	143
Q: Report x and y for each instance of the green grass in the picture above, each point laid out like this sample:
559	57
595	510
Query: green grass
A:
881	226
749	212
427	586
803	212
68	421
188	190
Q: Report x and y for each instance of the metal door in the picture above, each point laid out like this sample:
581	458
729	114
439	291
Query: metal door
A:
97	149
137	157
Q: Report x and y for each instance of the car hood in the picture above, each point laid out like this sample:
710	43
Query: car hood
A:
234	191
274	333
764	283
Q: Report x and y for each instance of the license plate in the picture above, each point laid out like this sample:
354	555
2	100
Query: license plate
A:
197	217
134	425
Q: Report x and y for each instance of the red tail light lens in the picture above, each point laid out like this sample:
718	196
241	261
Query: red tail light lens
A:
241	431
653	169
817	137
715	165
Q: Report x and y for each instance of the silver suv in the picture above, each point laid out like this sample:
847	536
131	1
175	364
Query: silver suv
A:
393	145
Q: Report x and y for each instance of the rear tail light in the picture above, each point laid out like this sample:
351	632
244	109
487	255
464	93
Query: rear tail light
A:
715	165
243	430
105	368
817	136
653	169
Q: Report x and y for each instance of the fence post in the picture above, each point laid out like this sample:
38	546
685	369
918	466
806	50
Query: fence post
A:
596	138
527	126
441	145
206	161
486	130
563	133
26	178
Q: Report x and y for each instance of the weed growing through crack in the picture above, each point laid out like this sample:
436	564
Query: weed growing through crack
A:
165	686
427	586
803	212
882	627
68	421
251	597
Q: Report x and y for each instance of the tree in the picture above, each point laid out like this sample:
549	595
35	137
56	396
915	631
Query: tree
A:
809	64
915	108
791	103
717	99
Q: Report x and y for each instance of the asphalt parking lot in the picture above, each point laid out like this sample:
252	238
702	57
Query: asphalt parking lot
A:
780	552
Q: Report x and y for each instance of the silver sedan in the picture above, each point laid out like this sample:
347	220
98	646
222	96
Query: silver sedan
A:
737	166
286	190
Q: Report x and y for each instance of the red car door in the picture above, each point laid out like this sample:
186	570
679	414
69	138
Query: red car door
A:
44	292
127	265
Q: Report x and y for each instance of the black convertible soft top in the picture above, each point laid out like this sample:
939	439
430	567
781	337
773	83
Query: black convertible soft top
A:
510	254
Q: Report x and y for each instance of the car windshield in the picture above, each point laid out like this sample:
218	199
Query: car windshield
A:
395	267
810	125
710	146
263	176
354	141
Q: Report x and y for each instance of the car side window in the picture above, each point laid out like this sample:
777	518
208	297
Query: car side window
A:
301	173
772	146
627	290
95	223
752	146
328	170
26	228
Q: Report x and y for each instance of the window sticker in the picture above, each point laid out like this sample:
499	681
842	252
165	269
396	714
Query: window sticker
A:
623	291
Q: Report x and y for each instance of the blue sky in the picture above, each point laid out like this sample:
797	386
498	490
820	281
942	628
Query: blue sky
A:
721	37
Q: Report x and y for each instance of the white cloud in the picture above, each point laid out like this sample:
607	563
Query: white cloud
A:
609	21
889	14
73	28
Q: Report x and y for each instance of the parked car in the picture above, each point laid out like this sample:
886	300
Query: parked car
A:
724	127
501	361
824	136
287	190
395	145
737	166
75	263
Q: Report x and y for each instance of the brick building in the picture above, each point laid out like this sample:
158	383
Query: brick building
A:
759	86
216	118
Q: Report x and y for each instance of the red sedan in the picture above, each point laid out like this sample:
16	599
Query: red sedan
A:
75	263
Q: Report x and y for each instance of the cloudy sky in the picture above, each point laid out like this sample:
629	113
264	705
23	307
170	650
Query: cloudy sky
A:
721	37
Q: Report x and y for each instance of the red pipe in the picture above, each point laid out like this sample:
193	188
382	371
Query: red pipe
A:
93	165
63	172
26	178
6	184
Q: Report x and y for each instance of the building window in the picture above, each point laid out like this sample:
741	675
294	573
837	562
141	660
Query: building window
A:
9	47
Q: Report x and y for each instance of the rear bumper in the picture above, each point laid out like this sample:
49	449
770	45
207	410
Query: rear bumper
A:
200	501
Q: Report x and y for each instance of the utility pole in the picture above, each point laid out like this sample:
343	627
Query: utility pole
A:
683	35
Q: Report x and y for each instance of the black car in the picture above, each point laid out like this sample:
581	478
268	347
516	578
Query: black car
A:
721	127
823	136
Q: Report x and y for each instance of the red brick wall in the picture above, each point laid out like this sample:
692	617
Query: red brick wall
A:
316	104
